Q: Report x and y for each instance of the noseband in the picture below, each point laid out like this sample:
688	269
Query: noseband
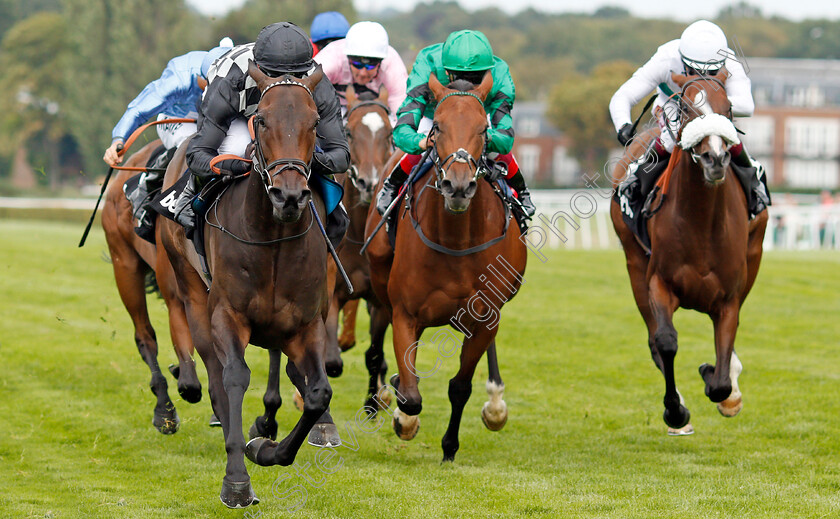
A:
717	118
260	166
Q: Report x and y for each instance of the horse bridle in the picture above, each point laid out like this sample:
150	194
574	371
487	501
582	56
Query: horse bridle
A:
459	155
684	108
284	164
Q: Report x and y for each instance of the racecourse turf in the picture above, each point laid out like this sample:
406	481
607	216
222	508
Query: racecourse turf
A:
584	439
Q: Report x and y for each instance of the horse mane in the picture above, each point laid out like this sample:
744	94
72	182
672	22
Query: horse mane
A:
462	85
367	95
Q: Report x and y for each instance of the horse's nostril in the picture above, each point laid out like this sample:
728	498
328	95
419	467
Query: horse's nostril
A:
446	185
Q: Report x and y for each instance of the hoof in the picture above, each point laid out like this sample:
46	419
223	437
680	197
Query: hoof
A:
677	419
261	429
214	422
496	418
258	446
687	430
167	423
345	343
404	425
731	406
381	402
324	435
175	370
191	394
238	495
298	400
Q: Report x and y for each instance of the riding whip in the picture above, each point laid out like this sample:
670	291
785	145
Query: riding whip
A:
330	247
101	192
396	201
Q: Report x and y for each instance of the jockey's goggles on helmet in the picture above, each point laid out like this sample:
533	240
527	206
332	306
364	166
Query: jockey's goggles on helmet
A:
702	68
361	62
473	76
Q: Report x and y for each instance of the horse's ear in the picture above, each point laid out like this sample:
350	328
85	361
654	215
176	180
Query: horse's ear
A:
256	74
313	79
483	89
679	79
350	96
437	89
383	94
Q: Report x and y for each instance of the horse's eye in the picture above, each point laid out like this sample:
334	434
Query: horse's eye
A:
261	121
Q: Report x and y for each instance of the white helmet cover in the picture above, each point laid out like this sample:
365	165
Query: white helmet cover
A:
703	46
367	40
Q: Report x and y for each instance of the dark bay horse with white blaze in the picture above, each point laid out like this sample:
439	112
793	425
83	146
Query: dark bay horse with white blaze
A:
269	272
705	251
369	136
133	258
440	277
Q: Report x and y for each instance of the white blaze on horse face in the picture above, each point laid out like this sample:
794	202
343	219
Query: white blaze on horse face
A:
373	121
715	142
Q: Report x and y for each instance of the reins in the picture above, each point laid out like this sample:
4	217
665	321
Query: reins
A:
136	133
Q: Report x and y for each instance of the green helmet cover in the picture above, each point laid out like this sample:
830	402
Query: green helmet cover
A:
467	51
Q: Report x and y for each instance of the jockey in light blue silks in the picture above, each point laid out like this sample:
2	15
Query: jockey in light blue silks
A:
175	95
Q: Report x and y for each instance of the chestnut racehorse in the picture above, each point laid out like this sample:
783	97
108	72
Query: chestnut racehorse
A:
369	136
268	263
705	251
449	241
133	259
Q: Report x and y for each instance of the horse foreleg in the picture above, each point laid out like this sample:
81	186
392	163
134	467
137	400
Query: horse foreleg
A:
494	413
306	352
406	420
324	433
348	325
717	377
230	337
265	426
663	304
460	386
378	396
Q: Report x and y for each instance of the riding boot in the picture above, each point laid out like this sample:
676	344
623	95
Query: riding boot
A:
337	223
146	225
517	182
760	195
184	213
390	188
642	174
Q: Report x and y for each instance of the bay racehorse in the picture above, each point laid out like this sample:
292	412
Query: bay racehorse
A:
368	131
134	259
454	262
268	263
705	251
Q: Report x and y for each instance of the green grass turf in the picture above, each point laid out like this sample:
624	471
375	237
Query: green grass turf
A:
584	439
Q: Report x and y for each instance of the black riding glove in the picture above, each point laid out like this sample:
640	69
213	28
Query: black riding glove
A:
234	167
625	133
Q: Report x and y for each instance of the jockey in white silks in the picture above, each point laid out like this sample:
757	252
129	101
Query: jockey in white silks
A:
701	50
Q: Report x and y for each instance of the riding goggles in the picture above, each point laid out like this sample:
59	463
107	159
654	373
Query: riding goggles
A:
364	63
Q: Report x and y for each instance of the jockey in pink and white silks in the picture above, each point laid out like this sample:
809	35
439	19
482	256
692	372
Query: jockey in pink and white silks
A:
365	60
701	50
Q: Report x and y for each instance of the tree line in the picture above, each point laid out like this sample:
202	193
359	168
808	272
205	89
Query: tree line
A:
70	67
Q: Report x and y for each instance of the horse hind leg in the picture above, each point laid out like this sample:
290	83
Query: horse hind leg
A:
494	413
129	273
265	426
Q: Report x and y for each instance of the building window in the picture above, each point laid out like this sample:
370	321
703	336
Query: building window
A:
528	156
758	133
812	137
564	167
528	126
